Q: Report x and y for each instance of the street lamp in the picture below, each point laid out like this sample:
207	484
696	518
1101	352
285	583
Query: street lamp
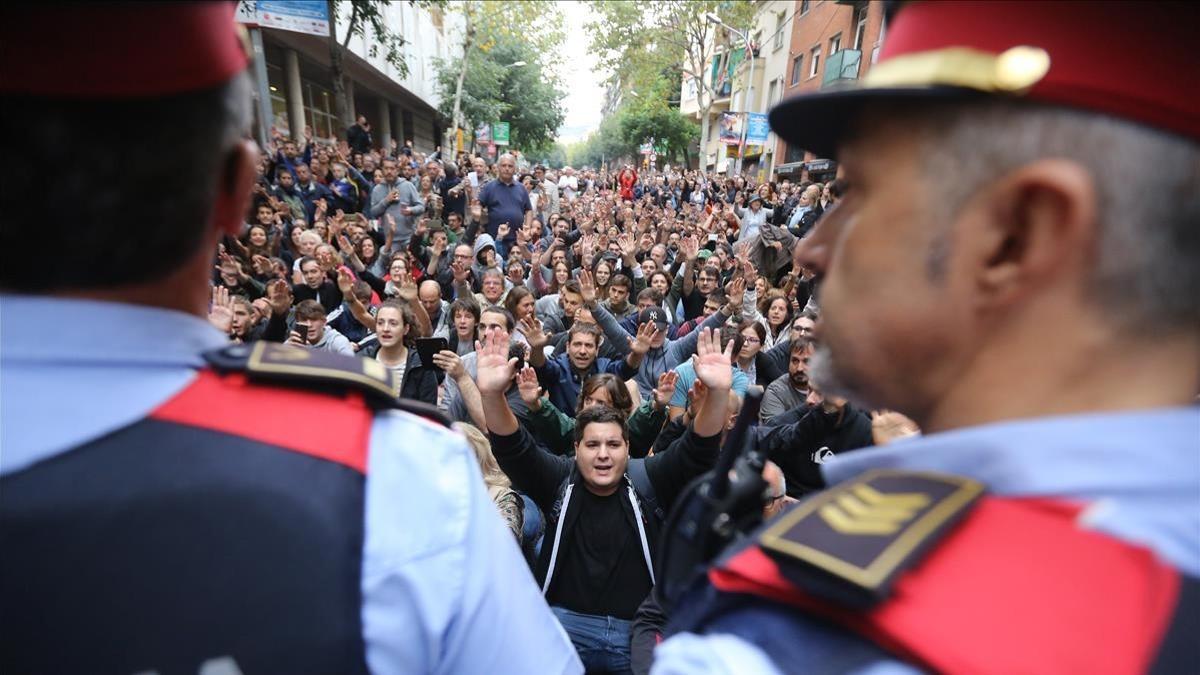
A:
713	18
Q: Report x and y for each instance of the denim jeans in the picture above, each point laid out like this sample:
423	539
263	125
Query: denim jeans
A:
602	642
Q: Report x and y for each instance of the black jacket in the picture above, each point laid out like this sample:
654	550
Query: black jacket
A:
419	383
545	477
803	438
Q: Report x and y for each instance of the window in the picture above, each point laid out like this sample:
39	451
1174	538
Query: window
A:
780	19
803	7
771	94
815	61
860	27
796	62
835	44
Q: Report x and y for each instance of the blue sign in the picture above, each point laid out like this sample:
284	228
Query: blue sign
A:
300	16
758	129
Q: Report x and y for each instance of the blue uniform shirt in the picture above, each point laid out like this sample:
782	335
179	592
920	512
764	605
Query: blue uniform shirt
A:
1138	471
444	586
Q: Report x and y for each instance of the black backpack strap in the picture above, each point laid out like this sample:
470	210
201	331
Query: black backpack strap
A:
636	470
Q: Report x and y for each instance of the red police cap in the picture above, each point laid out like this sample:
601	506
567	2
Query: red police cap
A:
1133	60
118	50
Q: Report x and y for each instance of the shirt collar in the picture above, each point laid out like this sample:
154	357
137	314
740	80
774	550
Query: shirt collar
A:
1083	456
57	330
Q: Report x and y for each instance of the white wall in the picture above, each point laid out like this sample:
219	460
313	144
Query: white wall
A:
425	42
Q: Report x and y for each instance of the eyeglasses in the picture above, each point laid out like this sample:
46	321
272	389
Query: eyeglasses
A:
751	340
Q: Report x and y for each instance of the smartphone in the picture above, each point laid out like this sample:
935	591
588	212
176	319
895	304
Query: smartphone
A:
427	347
302	330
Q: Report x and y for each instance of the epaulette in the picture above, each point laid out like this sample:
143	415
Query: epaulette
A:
287	365
849	543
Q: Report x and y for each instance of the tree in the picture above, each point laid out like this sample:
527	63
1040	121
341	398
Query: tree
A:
529	97
637	40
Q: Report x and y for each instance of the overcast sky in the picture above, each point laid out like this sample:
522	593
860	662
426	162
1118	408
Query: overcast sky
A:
585	93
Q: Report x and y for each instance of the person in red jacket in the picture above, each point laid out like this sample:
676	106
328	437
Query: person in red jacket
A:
625	182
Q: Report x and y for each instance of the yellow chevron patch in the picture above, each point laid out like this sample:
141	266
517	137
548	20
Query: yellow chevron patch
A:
858	535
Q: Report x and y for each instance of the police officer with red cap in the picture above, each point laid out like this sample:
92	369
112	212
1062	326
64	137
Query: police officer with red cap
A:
170	503
1016	267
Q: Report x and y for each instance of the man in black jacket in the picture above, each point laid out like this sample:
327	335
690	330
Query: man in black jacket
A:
595	566
803	438
358	136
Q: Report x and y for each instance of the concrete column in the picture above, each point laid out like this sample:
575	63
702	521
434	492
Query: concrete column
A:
295	93
385	125
398	125
349	106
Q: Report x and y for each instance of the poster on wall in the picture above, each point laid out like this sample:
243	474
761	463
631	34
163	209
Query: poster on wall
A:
731	128
757	129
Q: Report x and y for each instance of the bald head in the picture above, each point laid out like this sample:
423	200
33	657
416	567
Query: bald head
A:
430	295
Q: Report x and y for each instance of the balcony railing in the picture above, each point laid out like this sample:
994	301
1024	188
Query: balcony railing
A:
841	67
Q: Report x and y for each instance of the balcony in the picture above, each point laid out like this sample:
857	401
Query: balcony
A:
841	68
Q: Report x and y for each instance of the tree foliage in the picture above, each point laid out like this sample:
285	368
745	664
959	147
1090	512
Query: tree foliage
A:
643	42
528	97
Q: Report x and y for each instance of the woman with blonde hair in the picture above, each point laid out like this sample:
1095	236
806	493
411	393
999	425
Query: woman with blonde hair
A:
508	503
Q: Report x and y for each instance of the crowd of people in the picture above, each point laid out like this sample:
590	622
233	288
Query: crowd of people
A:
593	333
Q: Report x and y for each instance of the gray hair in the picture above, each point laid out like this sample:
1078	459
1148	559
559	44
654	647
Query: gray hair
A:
1147	260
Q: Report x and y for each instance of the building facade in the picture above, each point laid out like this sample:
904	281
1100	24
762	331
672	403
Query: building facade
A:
398	106
832	43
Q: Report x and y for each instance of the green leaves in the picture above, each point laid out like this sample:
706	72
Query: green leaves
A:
529	96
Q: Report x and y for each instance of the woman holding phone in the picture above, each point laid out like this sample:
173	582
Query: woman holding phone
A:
395	328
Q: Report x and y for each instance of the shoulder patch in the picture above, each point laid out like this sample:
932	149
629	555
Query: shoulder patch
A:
273	362
850	542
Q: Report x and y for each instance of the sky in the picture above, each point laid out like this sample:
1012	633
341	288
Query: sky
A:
585	89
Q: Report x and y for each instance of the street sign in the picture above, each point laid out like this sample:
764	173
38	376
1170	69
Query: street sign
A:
483	134
646	148
500	133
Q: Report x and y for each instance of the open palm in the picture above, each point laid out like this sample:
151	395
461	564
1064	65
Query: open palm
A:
714	366
494	370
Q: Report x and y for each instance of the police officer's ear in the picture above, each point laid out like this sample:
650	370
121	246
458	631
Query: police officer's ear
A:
235	188
1032	228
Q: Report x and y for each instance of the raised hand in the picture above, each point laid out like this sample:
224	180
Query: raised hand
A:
587	287
503	230
529	388
345	282
646	334
460	271
628	245
735	291
713	365
535	332
280	297
477	211
220	315
391	221
450	362
665	389
493	368
406	287
689	247
344	244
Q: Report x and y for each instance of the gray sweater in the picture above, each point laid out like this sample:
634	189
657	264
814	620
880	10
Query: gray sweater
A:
409	197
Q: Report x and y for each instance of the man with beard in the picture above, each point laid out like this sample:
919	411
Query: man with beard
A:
990	275
790	390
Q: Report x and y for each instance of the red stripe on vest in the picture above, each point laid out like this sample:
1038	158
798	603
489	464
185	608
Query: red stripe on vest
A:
1017	587
333	428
